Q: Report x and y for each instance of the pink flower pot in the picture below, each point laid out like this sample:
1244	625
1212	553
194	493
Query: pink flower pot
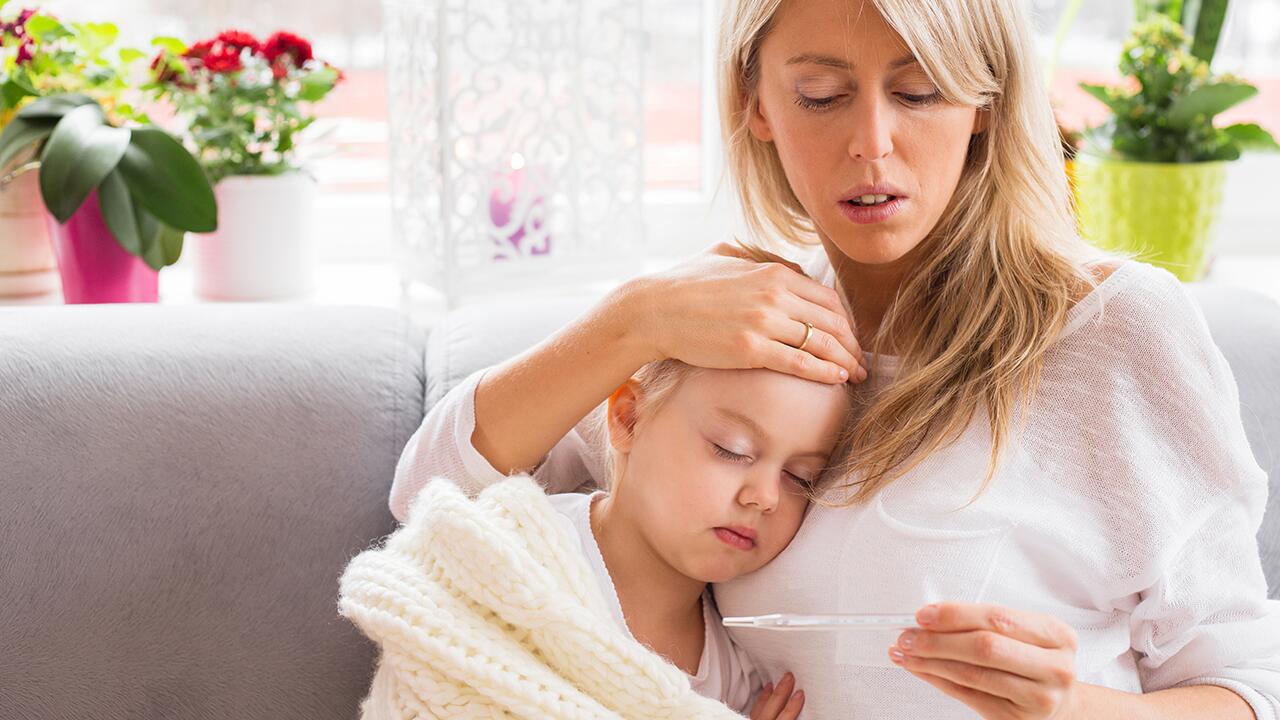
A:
93	266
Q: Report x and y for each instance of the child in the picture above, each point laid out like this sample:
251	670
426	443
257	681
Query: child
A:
710	471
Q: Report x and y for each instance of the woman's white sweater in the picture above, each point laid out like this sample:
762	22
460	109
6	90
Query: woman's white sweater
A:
1127	506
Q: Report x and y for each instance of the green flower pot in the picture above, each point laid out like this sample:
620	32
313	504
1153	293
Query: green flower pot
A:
1165	213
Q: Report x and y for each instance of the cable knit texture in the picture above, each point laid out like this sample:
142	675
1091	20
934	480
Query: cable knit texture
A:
484	609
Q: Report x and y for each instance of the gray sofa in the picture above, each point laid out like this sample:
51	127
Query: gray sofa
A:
181	486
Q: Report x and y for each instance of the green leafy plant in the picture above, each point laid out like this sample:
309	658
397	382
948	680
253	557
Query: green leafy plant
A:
40	55
150	189
1166	112
241	100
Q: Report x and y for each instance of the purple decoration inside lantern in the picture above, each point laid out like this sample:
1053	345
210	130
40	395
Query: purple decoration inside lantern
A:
518	211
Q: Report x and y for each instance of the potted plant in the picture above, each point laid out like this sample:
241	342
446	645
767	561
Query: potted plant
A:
119	196
1149	180
242	105
39	56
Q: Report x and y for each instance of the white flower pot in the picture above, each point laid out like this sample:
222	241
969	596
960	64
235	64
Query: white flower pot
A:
264	247
27	263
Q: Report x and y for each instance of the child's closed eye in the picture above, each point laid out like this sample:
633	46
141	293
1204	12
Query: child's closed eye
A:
727	455
803	482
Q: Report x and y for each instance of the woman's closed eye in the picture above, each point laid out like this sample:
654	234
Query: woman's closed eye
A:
908	99
817	104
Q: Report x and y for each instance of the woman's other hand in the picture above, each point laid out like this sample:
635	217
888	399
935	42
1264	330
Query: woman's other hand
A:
723	309
1003	663
778	703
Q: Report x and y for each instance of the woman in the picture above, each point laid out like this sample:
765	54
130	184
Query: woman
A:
1050	451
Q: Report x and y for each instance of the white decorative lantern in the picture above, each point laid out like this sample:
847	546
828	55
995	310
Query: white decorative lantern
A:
516	130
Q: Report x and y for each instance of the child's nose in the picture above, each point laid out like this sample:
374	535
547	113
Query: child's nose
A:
761	490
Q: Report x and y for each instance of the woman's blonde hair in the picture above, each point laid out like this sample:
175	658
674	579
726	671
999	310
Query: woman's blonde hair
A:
971	325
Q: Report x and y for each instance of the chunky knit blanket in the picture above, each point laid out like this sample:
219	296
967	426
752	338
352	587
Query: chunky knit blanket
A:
487	609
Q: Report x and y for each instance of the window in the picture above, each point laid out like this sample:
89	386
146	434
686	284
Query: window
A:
682	162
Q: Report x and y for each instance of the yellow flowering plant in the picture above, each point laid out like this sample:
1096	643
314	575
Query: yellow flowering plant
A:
1166	112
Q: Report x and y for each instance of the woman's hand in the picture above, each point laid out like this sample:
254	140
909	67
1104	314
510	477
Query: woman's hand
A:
722	309
1003	663
778	703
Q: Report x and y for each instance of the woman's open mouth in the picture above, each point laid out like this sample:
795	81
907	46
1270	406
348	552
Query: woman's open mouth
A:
867	209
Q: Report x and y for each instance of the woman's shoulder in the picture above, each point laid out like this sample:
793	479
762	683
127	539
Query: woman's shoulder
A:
1132	301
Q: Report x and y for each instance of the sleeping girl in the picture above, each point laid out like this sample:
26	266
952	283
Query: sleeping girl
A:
711	473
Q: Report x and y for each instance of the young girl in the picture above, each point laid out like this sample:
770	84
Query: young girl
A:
711	471
710	474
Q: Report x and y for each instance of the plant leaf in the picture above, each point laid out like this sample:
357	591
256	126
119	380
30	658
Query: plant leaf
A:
128	56
55	106
137	231
118	212
163	245
1251	136
172	44
317	84
171	243
93	37
1208	27
13	91
168	181
1208	100
46	29
20	134
1103	94
79	153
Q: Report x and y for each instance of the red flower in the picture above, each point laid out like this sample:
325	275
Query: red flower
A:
283	50
199	50
239	39
18	28
26	51
215	55
225	59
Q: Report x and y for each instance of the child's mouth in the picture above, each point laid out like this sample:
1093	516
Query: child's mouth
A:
735	540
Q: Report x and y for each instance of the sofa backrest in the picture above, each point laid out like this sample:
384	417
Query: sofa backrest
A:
182	487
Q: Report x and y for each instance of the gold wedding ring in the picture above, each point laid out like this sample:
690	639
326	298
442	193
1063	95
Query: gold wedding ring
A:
808	333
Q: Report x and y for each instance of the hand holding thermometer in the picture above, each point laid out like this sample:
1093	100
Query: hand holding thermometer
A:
835	621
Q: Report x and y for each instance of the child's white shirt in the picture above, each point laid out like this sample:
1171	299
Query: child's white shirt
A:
725	672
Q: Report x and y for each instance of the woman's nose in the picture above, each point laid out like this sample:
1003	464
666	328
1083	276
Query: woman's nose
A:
871	139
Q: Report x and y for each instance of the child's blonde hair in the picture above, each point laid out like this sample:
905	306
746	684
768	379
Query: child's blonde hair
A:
657	382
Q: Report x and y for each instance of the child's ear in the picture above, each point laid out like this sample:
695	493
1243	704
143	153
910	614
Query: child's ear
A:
622	415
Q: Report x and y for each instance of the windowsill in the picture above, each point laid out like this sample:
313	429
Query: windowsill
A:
378	284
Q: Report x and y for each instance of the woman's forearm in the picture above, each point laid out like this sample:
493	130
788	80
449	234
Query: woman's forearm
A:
1194	702
528	403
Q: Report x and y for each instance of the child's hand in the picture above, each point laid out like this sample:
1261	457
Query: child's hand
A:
778	703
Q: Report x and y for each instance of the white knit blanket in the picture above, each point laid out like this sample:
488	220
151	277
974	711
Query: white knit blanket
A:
487	609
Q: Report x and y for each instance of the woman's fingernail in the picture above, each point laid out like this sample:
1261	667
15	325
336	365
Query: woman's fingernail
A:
897	655
928	614
907	639
844	374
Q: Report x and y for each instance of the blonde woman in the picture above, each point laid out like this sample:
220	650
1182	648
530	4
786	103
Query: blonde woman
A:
1049	455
